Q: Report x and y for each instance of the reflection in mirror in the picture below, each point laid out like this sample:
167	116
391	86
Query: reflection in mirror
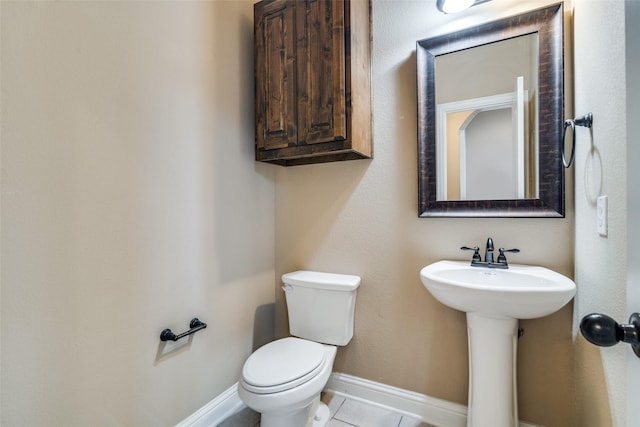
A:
490	114
501	151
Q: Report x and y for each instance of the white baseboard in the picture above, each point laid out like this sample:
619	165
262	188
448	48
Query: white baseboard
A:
219	409
429	409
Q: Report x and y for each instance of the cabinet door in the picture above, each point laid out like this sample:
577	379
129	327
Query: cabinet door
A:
320	52
275	74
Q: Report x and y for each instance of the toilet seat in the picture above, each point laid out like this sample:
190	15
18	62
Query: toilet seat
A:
282	365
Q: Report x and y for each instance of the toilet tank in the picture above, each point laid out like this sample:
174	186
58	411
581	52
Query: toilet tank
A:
321	306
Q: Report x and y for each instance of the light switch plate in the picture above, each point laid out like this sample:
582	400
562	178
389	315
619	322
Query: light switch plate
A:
602	215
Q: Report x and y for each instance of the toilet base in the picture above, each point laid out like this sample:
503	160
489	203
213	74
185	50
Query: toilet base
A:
315	414
321	419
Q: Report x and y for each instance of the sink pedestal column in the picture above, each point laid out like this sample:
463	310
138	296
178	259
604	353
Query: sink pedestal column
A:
492	371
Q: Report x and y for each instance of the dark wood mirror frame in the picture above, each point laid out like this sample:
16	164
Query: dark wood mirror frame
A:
548	24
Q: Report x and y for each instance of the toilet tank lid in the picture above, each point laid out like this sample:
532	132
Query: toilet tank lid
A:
315	279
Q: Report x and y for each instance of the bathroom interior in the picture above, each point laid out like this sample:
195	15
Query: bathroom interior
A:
131	202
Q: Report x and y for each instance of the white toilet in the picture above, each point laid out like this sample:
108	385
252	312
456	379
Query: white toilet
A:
283	379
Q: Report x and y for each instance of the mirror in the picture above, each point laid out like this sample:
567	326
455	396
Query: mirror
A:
490	114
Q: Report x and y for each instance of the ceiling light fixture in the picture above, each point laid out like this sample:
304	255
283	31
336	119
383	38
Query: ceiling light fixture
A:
453	6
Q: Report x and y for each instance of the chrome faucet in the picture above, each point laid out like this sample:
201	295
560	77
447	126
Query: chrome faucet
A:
501	262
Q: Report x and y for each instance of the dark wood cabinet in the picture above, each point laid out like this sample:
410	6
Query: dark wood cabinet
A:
312	81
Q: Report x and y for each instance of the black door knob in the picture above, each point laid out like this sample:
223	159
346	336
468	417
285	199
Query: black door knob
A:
602	330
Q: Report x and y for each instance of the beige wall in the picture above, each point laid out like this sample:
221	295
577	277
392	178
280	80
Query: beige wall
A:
361	217
600	169
130	203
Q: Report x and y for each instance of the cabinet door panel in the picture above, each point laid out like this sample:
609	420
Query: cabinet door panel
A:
321	71
275	57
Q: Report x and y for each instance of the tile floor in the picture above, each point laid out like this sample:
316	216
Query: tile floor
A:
344	413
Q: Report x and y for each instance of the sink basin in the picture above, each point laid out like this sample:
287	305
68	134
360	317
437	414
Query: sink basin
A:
519	292
494	300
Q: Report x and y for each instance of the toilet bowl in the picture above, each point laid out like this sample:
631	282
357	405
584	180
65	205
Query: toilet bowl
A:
283	379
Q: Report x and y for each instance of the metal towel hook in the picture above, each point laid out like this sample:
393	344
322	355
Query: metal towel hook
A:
585	121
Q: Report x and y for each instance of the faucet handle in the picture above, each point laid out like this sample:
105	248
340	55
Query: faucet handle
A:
476	253
502	257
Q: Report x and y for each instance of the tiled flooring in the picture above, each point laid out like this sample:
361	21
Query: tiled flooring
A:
344	413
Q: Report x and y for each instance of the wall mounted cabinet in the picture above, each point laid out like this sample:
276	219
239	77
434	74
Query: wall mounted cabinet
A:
312	81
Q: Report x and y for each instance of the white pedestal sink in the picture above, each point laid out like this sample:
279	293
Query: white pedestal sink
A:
494	300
